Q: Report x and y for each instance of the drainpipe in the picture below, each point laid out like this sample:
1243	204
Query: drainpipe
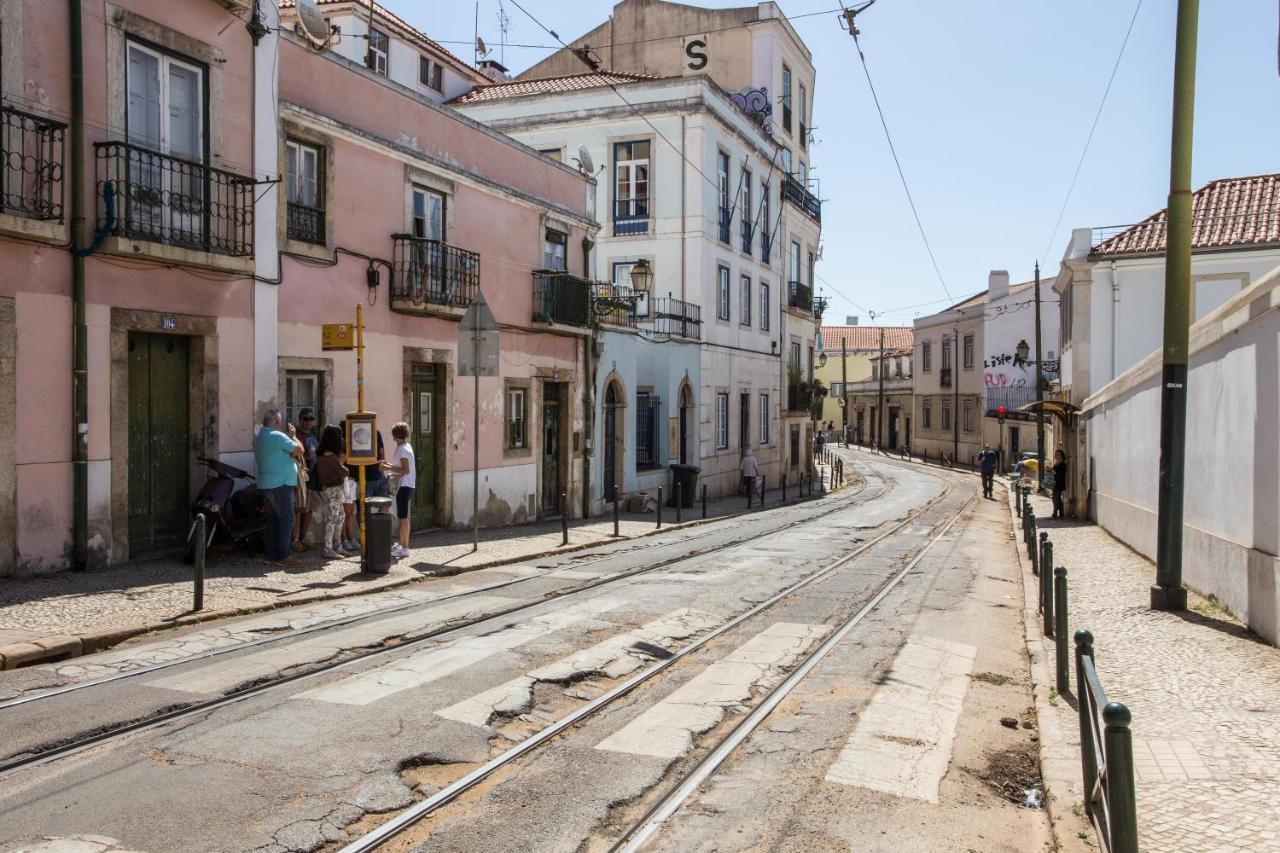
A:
79	331
1115	298
684	223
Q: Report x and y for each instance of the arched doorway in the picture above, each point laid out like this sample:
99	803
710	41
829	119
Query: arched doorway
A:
686	422
612	403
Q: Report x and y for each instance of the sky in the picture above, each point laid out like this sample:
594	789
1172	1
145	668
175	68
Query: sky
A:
989	105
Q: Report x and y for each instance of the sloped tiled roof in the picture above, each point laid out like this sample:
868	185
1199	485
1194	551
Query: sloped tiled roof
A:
396	20
983	296
567	83
866	338
1227	212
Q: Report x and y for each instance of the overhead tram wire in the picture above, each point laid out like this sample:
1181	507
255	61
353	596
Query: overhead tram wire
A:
1089	139
853	31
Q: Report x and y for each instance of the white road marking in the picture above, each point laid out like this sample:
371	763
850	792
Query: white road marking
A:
666	730
225	674
613	657
427	666
902	743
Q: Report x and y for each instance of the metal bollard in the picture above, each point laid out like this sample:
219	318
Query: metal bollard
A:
704	500
678	502
1046	598
1037	555
784	488
659	507
1084	649
1122	806
564	518
202	541
1046	559
762	487
617	499
1060	627
750	487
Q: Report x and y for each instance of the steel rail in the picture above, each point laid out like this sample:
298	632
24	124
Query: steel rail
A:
843	503
380	835
23	760
643	830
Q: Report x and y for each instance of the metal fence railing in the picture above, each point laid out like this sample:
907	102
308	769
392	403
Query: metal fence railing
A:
800	296
431	272
174	200
797	194
725	219
31	165
677	318
559	297
748	234
1106	747
621	313
304	223
630	216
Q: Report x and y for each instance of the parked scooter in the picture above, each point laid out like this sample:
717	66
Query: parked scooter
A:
231	517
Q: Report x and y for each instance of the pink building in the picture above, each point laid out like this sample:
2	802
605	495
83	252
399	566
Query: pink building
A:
400	203
167	186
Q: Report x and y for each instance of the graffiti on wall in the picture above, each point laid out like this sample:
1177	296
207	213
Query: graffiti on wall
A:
1007	370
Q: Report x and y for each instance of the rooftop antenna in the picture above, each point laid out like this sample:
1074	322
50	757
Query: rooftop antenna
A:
476	42
504	24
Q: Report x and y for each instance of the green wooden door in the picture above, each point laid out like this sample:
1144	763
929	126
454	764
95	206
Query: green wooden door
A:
159	441
424	450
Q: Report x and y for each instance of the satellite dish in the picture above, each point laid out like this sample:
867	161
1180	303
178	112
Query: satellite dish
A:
312	25
584	160
480	48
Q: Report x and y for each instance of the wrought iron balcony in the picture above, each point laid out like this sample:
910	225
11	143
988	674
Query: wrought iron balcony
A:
748	233
432	273
630	216
800	296
1010	398
819	307
31	157
794	192
677	318
169	199
726	218
799	397
944	377
614	312
559	297
305	224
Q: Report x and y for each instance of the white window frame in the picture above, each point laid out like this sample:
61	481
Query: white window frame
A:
547	242
926	413
635	206
744	300
946	414
764	418
722	420
299	152
967	343
724	296
517	432
764	306
417	191
293	380
380	58
435	73
723	165
926	357
967	423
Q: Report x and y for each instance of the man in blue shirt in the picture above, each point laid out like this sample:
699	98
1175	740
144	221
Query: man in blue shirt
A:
276	453
987	461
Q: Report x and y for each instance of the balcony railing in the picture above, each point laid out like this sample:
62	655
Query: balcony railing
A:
630	216
1010	398
944	377
726	218
677	318
748	233
800	296
621	315
559	297
31	157
819	307
794	192
169	199
431	272
766	246
305	224
799	397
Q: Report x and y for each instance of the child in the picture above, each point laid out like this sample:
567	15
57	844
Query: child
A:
402	464
331	472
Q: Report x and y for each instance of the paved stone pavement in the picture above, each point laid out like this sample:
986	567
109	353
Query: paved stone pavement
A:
46	617
1203	691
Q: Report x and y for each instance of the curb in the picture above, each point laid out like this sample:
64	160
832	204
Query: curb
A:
61	647
1059	745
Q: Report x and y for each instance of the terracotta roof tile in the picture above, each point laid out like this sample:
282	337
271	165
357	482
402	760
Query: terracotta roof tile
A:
567	83
866	338
1226	212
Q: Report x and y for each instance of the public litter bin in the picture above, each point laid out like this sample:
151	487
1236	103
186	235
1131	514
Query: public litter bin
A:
379	524
686	476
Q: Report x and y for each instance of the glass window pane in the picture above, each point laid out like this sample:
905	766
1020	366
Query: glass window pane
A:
184	111
144	98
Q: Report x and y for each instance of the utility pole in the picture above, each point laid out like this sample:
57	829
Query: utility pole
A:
1039	391
955	409
1168	592
844	384
880	395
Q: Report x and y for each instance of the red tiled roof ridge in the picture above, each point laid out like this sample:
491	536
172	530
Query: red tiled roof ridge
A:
863	338
395	19
544	85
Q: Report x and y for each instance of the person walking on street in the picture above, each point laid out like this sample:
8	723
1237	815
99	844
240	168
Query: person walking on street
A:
749	468
310	446
276	454
402	465
818	441
1059	482
987	461
331	478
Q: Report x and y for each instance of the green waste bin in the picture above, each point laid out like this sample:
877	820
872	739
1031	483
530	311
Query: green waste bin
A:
379	527
686	477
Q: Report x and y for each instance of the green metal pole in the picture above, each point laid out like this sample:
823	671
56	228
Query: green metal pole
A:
79	326
1122	804
1040	454
1063	669
1168	593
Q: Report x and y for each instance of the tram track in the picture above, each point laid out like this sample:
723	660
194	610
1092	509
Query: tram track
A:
34	755
402	822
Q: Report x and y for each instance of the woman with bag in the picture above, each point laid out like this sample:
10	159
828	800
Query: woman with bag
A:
331	476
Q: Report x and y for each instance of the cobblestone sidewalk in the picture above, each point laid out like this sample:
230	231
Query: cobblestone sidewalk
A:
1203	691
48	617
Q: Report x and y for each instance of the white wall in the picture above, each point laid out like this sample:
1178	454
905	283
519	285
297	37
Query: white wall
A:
1231	533
1009	321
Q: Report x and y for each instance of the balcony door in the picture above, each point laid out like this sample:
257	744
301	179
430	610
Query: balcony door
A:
428	270
165	198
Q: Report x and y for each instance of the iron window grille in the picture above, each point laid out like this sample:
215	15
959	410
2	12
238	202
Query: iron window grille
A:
800	296
647	407
304	218
677	318
432	272
32	152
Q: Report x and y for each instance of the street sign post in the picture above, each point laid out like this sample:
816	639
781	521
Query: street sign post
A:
337	336
478	341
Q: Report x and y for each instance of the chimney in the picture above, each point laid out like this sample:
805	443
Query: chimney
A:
851	320
997	285
495	71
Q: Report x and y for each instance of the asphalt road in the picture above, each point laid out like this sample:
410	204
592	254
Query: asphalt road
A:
317	761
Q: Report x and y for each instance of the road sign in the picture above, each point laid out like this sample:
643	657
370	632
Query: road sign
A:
338	336
481	359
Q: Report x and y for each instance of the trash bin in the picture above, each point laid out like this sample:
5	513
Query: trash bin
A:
379	524
687	477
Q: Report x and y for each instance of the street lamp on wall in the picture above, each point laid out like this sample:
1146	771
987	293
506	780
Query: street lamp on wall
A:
641	281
